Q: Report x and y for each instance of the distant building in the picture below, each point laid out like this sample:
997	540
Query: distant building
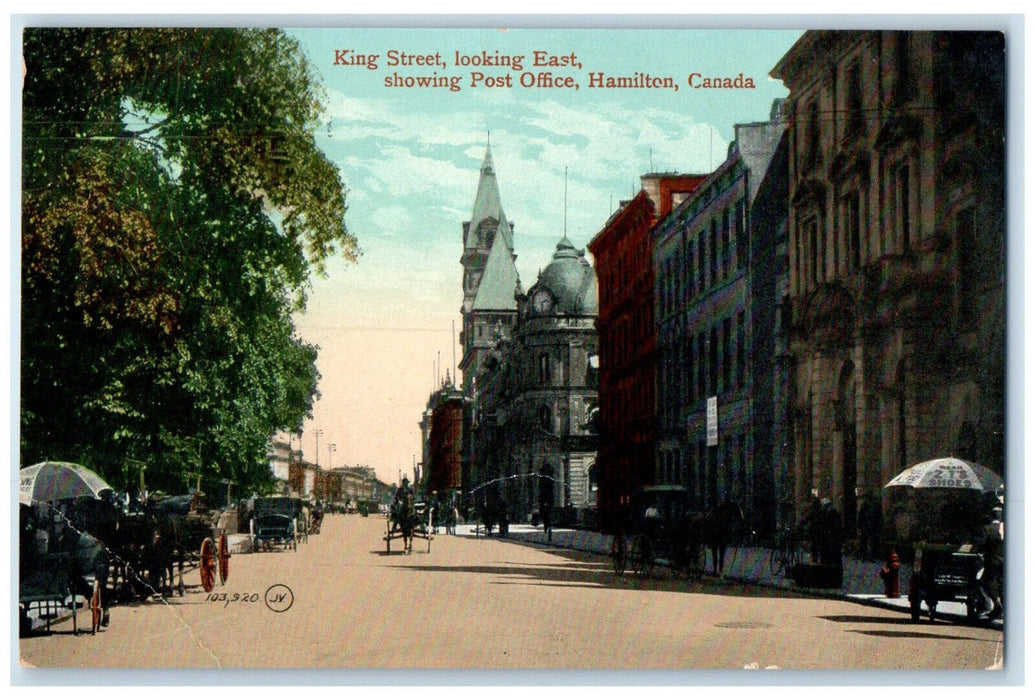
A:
280	455
442	460
896	234
489	310
622	254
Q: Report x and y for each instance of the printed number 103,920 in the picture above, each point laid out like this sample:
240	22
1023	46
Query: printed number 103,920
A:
228	598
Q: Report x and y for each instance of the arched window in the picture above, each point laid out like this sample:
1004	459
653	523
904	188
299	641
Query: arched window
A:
545	419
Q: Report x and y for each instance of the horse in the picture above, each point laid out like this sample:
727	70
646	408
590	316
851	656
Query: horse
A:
404	519
719	528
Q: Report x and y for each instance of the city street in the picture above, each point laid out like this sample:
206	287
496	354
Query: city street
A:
342	602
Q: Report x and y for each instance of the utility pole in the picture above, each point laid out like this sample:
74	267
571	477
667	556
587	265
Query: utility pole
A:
330	448
318	433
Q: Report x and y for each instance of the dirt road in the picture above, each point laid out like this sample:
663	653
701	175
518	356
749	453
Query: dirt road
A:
342	602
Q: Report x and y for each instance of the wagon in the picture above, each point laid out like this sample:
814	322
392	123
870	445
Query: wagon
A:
275	523
659	530
943	573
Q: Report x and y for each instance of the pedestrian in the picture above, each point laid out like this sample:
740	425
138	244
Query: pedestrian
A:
812	524
992	551
451	517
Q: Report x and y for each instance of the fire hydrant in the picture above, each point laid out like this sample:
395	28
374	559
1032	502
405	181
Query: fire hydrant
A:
889	574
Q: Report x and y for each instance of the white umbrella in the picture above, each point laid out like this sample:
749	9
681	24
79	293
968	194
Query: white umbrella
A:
56	481
948	473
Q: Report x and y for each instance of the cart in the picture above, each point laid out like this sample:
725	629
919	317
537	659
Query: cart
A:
660	530
945	572
407	520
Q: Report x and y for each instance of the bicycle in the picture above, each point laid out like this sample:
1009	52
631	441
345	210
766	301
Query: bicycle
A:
787	552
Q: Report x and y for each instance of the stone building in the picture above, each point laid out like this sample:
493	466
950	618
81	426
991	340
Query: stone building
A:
489	310
535	414
622	255
704	276
896	233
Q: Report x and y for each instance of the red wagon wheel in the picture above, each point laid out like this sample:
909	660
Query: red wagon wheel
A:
208	565
224	558
95	607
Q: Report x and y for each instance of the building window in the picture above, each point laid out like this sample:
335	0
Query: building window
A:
739	378
691	368
726	354
700	285
851	223
812	135
545	419
725	262
902	198
713	249
713	362
689	272
701	375
544	369
740	231
810	230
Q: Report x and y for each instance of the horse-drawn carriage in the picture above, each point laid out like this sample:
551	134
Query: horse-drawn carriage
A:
406	520
661	528
277	522
193	536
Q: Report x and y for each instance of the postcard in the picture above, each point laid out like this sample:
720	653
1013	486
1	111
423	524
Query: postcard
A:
429	348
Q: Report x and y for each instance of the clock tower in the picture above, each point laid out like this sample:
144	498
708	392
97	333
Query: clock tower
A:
490	280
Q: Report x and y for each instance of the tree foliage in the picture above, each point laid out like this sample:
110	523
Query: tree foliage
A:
174	207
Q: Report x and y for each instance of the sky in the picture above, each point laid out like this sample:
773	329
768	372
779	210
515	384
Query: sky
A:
410	158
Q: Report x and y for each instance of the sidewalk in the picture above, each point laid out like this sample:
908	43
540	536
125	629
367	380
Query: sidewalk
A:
751	565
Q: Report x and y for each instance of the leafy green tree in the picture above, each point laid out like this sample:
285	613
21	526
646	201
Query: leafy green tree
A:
174	207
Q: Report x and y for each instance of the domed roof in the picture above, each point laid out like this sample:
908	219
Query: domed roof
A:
571	280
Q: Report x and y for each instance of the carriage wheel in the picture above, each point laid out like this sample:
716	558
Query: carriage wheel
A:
207	565
95	607
642	556
618	553
223	554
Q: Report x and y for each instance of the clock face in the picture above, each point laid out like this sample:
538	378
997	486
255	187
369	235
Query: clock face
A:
542	302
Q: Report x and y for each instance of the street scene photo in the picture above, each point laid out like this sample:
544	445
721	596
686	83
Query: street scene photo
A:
402	348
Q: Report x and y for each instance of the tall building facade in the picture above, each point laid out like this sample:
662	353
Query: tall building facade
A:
622	254
896	234
705	375
489	310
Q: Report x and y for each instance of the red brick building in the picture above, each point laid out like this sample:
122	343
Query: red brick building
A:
622	253
445	440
